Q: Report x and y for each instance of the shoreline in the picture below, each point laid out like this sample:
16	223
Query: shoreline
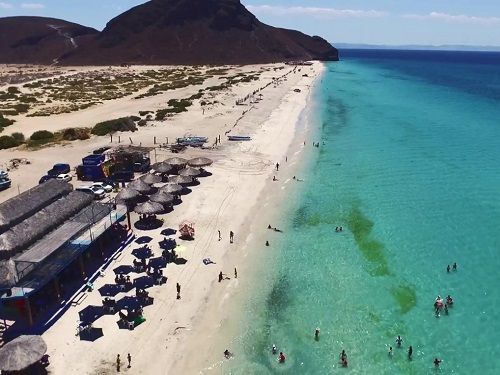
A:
224	311
231	199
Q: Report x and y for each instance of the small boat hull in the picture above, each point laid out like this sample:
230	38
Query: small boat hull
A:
239	138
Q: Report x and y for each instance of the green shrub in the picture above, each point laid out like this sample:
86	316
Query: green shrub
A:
13	90
19	137
142	123
73	134
6	141
135	118
121	124
42	135
5	121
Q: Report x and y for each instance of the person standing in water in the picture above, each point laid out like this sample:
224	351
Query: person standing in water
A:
455	266
274	349
410	352
316	334
390	351
437	362
448	268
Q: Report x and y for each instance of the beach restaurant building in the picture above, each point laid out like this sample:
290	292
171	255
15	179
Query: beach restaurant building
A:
50	236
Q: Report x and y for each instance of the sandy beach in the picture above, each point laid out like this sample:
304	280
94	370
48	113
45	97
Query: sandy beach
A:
240	196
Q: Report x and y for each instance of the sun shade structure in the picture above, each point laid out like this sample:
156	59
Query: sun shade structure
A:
127	194
181	180
200	162
140	186
22	352
42	222
8	274
171	189
16	209
161	167
149	208
150	178
186	229
189	172
176	161
162	198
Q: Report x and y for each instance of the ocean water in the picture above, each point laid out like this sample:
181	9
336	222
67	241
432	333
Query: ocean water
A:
409	166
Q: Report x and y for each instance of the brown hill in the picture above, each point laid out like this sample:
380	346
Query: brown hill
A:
190	32
38	40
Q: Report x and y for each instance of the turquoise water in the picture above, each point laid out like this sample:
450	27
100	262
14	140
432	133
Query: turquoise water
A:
409	166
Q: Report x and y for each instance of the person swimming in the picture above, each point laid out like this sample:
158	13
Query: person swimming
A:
449	300
437	361
227	354
399	340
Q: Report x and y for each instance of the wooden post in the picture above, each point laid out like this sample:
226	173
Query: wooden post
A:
154	139
56	288
128	220
81	265
131	142
28	311
167	140
119	138
111	135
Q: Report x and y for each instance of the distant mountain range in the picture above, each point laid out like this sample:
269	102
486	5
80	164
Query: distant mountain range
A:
187	32
446	47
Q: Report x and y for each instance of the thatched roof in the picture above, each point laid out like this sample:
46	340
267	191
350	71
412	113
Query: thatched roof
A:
190	172
200	162
176	161
149	208
171	188
16	209
22	352
33	228
150	178
161	167
127	194
140	186
180	180
162	198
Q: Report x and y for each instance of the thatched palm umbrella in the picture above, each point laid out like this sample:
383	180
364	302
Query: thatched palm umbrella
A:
149	208
190	172
127	196
162	198
171	189
8	274
176	161
140	186
22	352
151	179
200	162
161	167
181	180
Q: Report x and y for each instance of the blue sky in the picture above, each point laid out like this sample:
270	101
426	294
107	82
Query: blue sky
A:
468	22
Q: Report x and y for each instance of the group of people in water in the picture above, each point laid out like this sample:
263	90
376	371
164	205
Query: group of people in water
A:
440	304
454	267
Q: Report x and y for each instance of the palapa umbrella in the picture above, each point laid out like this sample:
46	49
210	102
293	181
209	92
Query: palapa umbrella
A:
127	194
189	172
171	189
200	162
150	178
22	352
181	180
176	161
186	229
8	274
161	167
162	198
140	186
149	208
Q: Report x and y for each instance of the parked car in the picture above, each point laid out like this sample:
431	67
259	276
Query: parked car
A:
96	192
5	183
58	169
100	150
45	178
64	177
102	185
4	174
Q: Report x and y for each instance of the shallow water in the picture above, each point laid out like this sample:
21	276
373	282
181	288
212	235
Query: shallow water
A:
409	166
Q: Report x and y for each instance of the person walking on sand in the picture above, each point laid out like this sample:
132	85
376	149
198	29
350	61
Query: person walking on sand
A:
118	363
129	359
220	276
231	236
220	237
178	291
235	273
277	166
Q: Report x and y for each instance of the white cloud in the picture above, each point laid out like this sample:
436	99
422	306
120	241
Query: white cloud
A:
459	18
315	12
5	5
32	6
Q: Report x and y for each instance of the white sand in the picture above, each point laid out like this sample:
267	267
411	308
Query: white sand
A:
231	199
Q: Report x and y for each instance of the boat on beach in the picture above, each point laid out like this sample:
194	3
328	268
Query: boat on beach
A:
192	141
239	138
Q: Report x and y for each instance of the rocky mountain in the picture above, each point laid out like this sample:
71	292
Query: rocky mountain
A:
39	40
178	32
